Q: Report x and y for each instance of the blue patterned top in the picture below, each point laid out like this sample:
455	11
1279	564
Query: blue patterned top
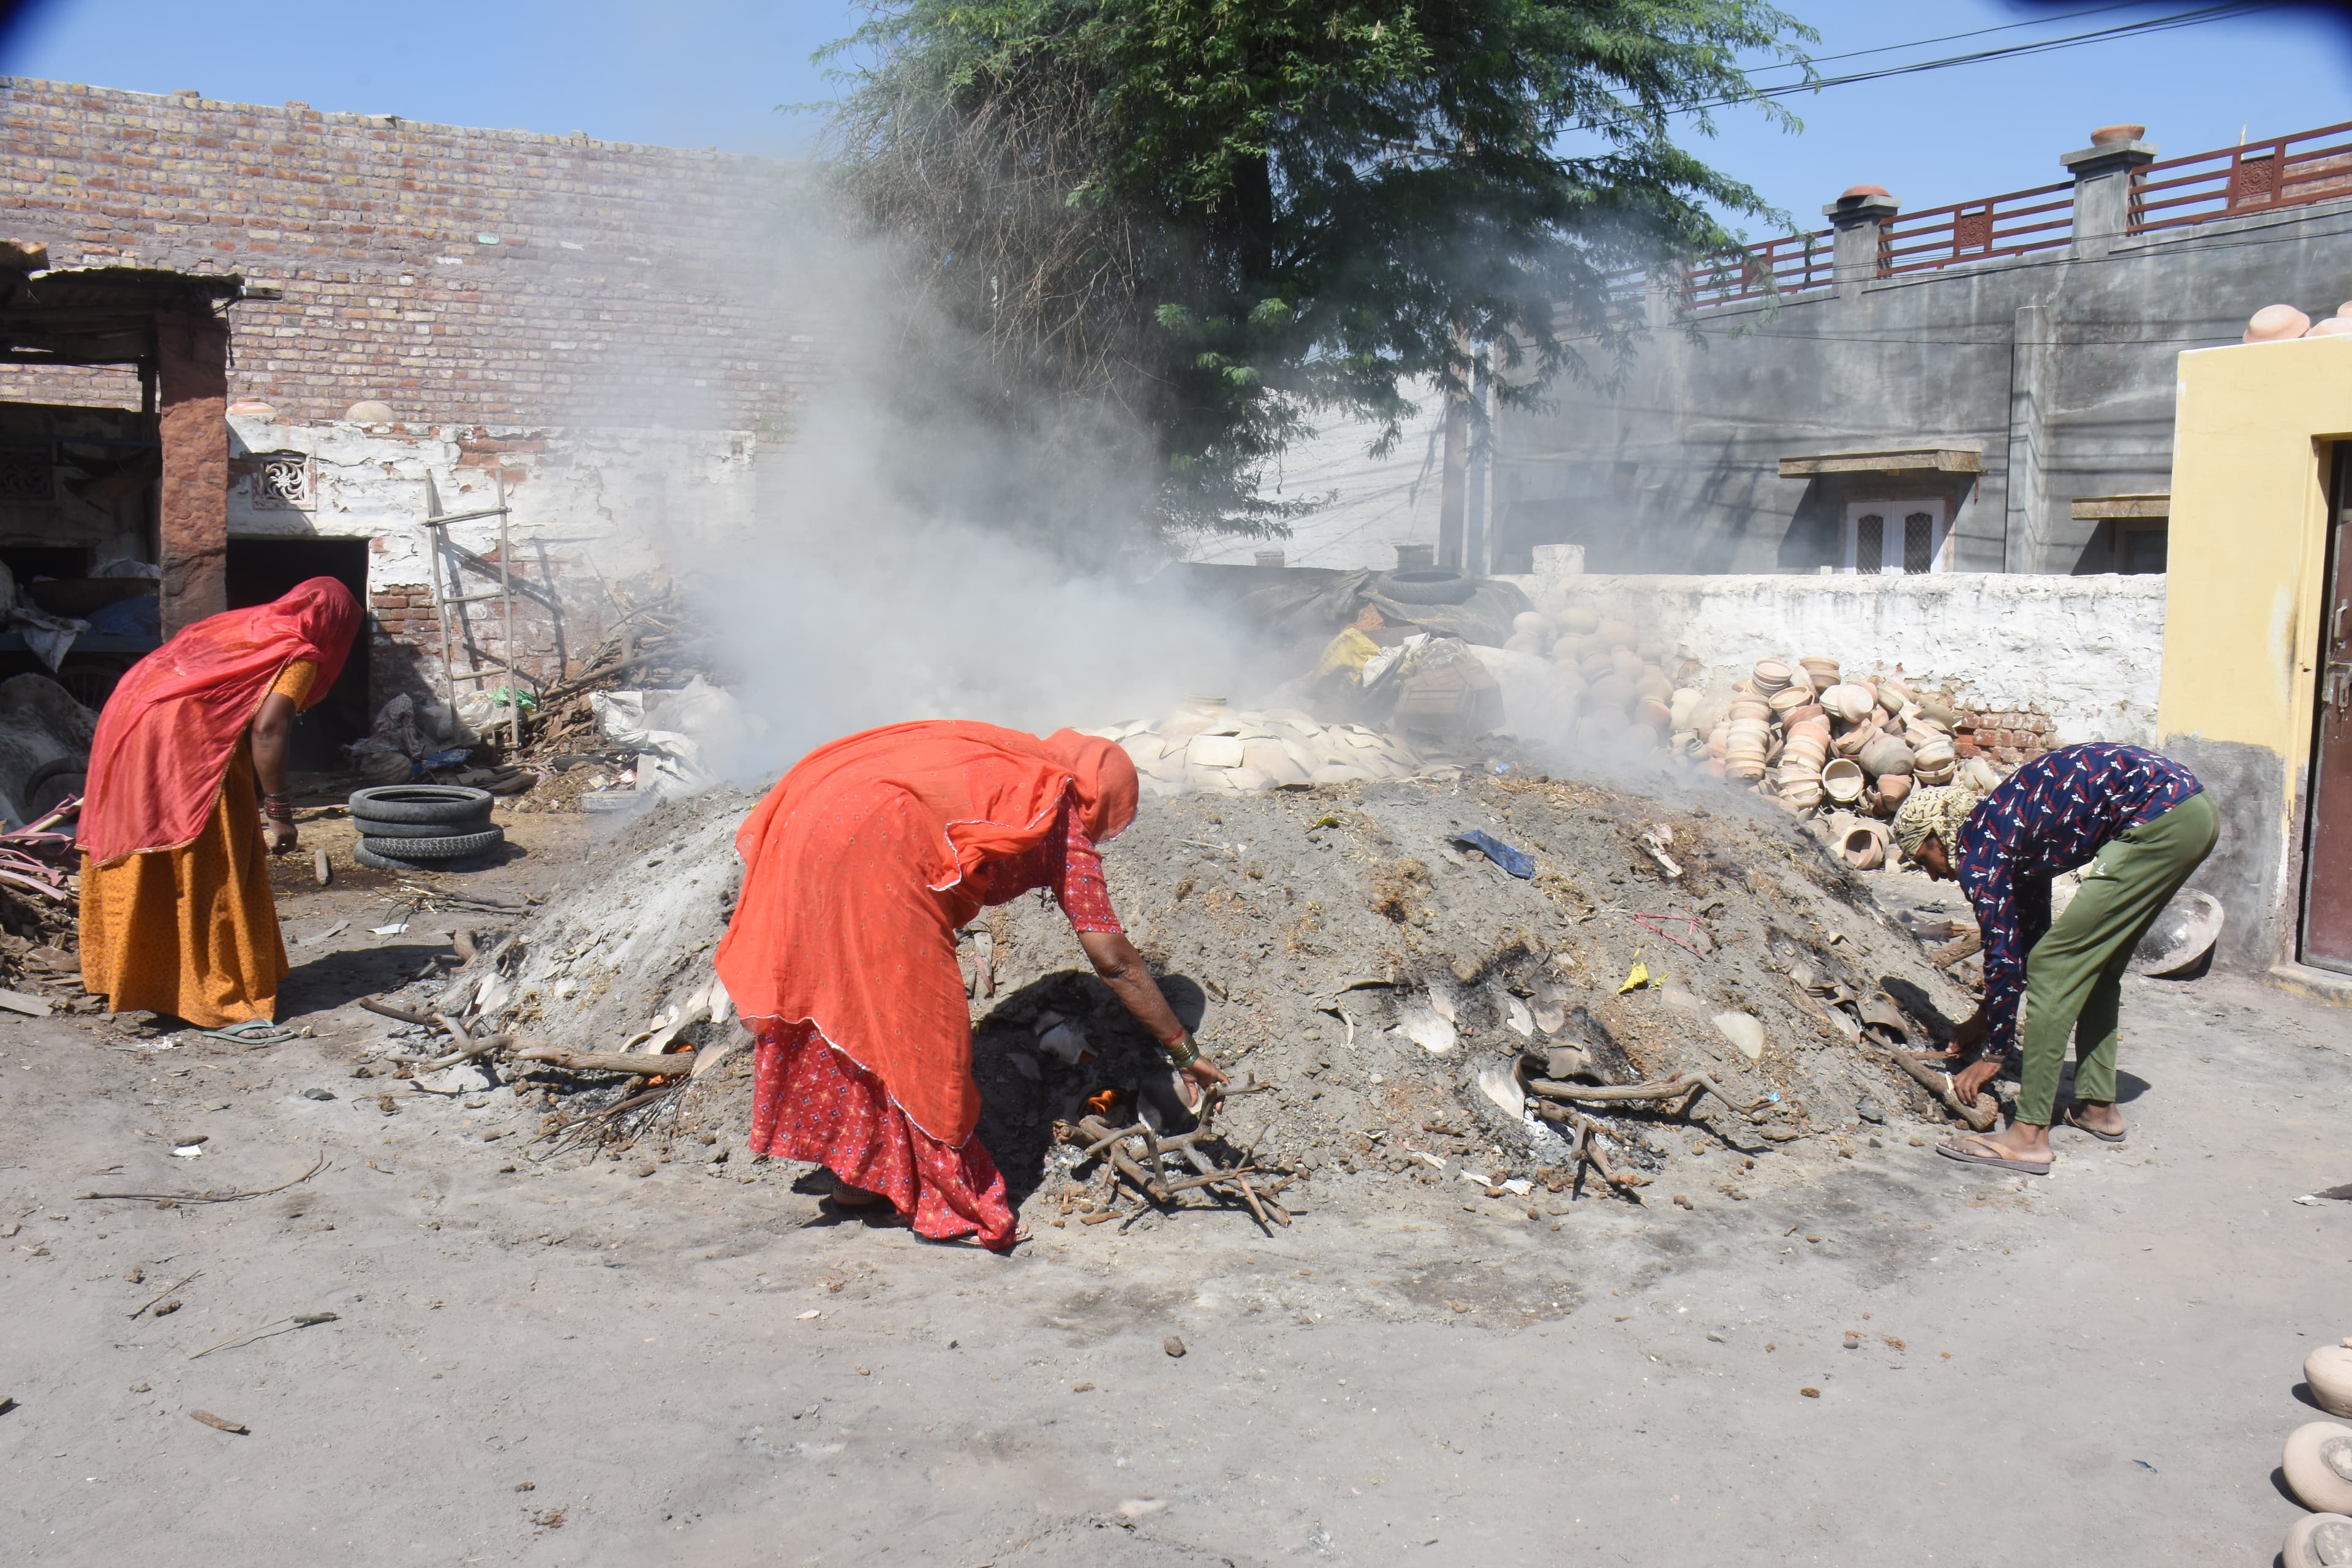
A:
2050	815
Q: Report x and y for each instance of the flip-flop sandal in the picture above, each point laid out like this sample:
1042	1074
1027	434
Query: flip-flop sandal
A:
1967	1156
2102	1137
252	1032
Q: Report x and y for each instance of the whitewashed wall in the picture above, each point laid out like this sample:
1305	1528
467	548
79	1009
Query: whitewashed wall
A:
2086	650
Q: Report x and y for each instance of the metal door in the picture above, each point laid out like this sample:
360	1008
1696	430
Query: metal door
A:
2327	845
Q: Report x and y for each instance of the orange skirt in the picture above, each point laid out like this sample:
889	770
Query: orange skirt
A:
190	932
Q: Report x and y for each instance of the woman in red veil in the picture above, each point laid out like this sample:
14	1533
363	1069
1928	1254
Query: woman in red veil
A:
176	911
859	868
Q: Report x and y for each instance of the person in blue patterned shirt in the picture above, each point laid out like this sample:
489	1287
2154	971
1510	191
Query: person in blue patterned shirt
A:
2140	824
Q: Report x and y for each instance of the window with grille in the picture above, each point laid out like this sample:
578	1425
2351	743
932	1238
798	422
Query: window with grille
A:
1869	543
1919	542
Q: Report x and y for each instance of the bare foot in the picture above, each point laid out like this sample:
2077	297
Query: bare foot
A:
851	1198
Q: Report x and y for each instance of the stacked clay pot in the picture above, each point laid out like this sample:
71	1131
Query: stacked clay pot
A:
1611	675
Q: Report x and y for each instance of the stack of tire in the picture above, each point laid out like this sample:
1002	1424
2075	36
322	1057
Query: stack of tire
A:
423	827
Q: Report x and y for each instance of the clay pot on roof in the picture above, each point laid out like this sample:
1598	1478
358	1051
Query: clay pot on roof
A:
2113	135
2275	324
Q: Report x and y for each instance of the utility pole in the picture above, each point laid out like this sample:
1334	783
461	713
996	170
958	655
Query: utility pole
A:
1453	495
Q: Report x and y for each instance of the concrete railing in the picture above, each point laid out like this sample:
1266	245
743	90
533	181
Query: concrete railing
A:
2087	650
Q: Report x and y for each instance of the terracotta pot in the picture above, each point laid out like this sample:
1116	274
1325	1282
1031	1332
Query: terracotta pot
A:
1626	662
1650	711
2275	324
1612	692
1653	682
1980	774
1862	845
1684	704
1848	702
1718	739
1572	687
1821	672
1806	714
2318	1540
1621	634
1593	665
1770	674
1931	755
2330	327
1753	708
2318	1465
1851	743
1884	755
2328	1371
1892	695
1893	788
1841	780
1789	698
2112	135
1577	622
1805	750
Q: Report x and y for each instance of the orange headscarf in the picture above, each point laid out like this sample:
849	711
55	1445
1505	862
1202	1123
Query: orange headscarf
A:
855	873
165	736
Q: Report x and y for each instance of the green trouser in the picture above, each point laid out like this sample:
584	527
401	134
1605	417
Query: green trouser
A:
2074	976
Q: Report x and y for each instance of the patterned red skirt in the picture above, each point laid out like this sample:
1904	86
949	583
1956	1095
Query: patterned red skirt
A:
811	1103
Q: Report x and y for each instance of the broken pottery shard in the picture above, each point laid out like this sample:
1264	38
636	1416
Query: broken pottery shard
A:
1516	1013
1424	1028
1444	1003
1065	1042
1499	1081
1214	752
1551	1018
1273	759
218	1423
1744	1031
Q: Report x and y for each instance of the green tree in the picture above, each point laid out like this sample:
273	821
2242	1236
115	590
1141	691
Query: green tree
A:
1213	219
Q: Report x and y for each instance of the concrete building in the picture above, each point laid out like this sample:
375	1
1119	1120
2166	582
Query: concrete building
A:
1984	386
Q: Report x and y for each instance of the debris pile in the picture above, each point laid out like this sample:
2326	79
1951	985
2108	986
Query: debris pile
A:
1205	746
1504	982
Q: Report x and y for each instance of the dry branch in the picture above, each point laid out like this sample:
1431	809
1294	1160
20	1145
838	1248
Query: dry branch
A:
608	1061
1979	1116
1682	1086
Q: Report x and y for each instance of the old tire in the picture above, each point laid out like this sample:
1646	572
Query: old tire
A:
454	846
1425	587
420	803
370	827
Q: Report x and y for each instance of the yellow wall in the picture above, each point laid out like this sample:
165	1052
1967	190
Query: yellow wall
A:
2248	546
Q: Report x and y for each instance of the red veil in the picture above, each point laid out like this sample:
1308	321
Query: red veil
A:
854	870
165	737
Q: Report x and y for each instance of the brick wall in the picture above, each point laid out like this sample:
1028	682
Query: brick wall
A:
463	276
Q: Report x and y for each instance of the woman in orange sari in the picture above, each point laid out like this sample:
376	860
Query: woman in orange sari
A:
176	911
859	868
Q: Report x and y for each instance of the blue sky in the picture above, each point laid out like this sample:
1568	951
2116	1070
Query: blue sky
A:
710	72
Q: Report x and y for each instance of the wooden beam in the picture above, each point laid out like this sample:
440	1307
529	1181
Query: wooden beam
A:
2155	505
1903	460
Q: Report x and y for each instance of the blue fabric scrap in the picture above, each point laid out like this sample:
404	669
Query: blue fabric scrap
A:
1517	862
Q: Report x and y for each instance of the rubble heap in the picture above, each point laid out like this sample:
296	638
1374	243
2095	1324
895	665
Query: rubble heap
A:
1396	1011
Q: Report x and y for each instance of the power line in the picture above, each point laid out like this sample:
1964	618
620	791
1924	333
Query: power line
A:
1973	33
2140	28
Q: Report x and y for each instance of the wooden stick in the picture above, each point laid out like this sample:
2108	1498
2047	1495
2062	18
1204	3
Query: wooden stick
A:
386	1009
214	1198
608	1061
481	1048
1959	948
197	1275
1980	1117
1675	1087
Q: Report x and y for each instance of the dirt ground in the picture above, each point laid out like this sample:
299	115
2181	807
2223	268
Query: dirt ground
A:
698	1364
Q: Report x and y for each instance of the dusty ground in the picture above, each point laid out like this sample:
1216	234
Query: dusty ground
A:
695	1364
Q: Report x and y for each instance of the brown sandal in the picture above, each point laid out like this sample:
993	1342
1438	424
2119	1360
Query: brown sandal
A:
2102	1137
1990	1154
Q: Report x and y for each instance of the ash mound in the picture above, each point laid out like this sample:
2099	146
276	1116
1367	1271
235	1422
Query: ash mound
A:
1382	994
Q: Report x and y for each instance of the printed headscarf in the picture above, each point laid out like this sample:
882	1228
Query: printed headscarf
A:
1941	812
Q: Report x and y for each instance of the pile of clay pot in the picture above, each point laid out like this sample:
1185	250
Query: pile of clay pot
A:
1816	741
1205	747
2318	1465
1612	678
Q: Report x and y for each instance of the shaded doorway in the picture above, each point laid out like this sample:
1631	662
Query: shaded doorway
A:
259	570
